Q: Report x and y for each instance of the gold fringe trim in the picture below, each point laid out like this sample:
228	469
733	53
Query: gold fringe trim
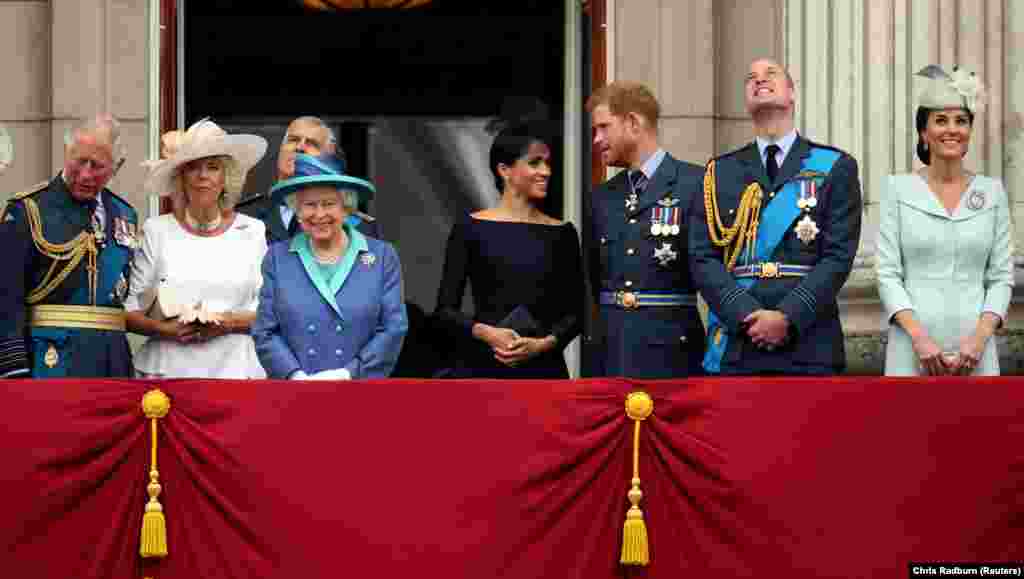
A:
82	246
635	549
156	405
742	234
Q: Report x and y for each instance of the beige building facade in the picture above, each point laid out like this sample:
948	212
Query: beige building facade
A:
853	62
68	59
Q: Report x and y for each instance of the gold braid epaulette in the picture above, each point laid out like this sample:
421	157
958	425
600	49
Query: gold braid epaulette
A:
82	246
743	231
40	186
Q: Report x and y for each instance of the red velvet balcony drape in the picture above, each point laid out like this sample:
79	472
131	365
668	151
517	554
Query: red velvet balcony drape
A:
741	478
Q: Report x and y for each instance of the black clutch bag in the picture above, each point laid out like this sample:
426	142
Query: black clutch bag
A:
522	322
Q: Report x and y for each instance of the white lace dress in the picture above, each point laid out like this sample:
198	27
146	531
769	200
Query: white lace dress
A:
222	271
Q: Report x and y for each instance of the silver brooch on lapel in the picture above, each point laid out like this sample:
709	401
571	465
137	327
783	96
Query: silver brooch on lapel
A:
806	229
976	200
368	259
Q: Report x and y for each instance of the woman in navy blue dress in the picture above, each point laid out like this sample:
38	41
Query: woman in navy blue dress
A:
524	268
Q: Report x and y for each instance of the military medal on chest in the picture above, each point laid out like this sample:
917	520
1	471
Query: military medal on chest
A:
99	234
125	233
665	218
806	229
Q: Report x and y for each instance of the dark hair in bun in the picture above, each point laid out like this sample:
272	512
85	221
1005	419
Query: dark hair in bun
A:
523	122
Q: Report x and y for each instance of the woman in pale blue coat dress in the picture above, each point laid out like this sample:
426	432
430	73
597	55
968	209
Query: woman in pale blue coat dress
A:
331	304
945	270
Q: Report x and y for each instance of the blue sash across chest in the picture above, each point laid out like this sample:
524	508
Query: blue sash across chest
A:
776	219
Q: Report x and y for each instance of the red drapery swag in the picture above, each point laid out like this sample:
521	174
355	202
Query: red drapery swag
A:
741	478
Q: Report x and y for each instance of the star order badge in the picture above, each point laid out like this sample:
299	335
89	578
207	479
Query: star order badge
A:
806	229
665	254
368	259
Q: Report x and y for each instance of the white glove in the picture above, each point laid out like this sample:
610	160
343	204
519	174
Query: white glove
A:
299	375
336	374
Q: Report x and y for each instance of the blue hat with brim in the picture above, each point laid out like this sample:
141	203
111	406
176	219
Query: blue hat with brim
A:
313	171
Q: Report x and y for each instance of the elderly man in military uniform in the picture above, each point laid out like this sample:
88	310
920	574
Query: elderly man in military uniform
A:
774	241
69	245
312	136
636	242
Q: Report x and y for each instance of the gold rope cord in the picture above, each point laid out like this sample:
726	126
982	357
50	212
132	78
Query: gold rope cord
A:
83	245
743	232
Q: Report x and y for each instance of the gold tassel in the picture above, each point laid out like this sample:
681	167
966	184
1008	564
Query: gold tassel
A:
634	532
156	405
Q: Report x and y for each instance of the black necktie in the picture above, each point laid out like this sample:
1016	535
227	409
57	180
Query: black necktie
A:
770	164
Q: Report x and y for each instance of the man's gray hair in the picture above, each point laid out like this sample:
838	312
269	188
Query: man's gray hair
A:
316	121
103	125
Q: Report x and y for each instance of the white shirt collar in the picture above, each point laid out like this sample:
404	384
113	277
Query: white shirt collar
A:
650	166
286	214
785	144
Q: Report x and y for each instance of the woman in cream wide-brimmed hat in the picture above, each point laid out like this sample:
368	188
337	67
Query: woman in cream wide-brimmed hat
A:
196	278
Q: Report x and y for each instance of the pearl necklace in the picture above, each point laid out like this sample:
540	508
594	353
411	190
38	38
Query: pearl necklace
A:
326	259
202	227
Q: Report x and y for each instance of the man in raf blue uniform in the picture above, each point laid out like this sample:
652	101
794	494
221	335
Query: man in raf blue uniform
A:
311	136
774	240
69	244
636	242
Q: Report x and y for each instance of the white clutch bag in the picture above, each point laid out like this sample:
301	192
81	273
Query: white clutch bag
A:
167	302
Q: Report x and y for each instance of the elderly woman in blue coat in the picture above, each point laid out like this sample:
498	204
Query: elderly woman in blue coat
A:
331	305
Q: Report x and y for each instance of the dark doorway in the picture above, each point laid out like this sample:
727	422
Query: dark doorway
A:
409	94
452	57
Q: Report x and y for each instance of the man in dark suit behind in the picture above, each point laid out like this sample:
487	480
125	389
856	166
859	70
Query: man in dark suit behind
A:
774	240
636	238
309	135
